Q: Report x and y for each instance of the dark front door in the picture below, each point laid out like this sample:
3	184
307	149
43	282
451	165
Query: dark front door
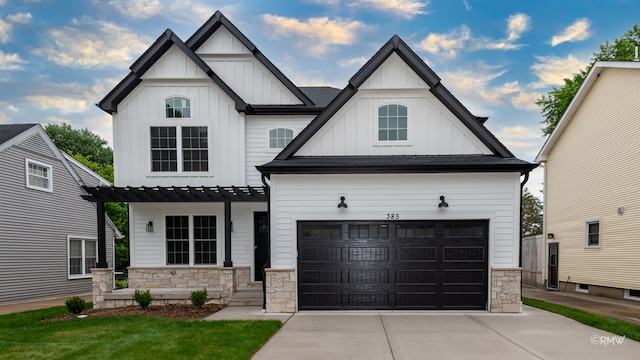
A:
261	243
392	265
552	281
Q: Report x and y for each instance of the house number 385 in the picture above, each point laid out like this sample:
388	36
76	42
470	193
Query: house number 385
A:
393	216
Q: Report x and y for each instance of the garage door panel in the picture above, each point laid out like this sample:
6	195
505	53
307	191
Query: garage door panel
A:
395	265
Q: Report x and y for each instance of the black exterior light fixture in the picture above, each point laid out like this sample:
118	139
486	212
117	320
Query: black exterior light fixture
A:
551	236
342	204
150	226
443	204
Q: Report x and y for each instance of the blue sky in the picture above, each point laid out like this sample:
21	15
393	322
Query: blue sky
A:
60	57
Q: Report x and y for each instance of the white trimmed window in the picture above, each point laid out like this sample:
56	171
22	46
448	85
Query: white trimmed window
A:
632	294
592	234
188	152
279	138
191	240
39	175
177	107
392	123
83	255
583	288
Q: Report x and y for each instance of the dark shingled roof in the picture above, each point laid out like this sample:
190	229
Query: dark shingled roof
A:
9	131
320	95
396	164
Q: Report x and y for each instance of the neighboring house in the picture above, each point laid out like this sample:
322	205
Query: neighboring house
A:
388	194
591	204
48	239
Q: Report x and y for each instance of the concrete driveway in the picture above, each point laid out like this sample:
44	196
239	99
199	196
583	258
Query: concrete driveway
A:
533	334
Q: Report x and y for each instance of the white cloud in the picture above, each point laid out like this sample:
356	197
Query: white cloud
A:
2	2
407	9
10	61
20	18
324	2
93	44
475	85
318	35
137	9
526	101
577	31
5	30
518	132
448	44
552	70
357	61
77	98
63	104
466	5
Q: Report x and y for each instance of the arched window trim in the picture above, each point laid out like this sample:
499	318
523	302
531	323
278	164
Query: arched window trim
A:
390	133
184	110
279	140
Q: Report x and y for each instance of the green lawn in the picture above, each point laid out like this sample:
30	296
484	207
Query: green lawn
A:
25	336
618	327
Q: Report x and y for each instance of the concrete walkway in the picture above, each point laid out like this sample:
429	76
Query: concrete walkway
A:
533	334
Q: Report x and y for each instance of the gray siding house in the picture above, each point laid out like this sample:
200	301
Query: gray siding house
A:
47	231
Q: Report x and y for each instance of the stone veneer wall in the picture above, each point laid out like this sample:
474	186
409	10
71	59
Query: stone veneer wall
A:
165	284
281	290
506	291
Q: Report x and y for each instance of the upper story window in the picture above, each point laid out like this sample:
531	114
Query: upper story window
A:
592	233
193	145
39	175
178	107
392	123
279	138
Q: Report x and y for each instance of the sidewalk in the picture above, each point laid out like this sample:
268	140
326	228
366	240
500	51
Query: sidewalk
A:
39	304
624	310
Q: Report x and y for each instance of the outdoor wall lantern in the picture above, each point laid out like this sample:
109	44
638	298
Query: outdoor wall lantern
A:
150	226
550	236
443	204
342	204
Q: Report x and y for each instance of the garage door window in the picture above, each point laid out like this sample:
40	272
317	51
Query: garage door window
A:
369	231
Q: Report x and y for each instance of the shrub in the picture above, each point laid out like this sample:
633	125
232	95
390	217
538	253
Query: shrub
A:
198	297
143	298
121	284
75	304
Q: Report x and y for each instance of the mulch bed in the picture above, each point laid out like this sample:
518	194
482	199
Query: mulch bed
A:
174	311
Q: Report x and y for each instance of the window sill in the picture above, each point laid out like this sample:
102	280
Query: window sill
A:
79	277
592	247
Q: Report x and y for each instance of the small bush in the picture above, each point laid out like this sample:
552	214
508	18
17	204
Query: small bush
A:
198	297
75	304
122	284
143	298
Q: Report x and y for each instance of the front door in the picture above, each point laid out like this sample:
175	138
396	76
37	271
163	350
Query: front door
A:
261	243
552	281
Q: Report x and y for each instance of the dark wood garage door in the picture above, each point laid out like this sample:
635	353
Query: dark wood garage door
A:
392	265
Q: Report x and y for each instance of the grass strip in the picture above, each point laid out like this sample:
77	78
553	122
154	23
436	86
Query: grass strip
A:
28	335
615	326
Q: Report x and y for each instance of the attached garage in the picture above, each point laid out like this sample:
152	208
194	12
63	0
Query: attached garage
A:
400	265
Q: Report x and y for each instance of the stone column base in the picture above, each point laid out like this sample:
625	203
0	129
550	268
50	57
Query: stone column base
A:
506	295
102	284
281	290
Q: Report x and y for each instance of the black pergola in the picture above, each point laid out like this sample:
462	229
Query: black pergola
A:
226	194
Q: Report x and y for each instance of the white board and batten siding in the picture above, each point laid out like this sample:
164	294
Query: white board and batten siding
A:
257	141
148	248
241	71
210	107
36	224
432	128
478	196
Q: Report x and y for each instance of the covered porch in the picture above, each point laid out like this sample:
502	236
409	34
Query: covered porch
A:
172	283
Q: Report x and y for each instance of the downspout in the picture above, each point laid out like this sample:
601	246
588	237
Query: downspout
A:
267	190
526	178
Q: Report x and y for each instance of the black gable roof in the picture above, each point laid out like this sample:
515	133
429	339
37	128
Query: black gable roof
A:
9	131
396	45
320	95
214	23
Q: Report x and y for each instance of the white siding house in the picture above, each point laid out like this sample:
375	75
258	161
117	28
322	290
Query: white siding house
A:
48	232
388	194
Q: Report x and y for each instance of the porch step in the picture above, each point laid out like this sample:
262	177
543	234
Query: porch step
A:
247	296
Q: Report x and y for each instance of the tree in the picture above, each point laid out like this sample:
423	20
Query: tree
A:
91	150
556	102
531	214
82	142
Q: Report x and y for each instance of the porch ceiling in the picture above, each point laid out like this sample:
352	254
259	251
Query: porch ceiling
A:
176	194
